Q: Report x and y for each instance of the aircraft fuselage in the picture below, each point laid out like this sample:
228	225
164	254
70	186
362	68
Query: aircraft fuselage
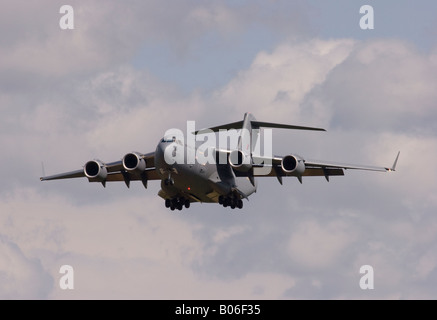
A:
203	182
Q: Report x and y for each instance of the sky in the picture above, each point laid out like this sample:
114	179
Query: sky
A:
130	70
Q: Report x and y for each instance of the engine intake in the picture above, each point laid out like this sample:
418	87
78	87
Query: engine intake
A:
239	161
134	162
95	170
293	164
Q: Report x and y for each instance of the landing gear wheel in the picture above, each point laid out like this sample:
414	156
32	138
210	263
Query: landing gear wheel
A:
167	203
174	202
187	204
225	203
240	204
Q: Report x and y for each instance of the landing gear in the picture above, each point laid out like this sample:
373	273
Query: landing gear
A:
169	182
177	203
230	201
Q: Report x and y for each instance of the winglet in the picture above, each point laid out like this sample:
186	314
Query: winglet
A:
393	168
43	170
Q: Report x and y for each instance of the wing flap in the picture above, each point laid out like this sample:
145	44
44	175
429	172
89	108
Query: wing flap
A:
150	174
310	172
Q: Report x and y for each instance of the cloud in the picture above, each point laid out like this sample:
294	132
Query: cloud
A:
81	97
21	277
392	92
281	79
117	250
370	116
322	244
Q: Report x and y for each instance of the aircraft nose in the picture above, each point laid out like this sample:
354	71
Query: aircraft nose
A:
160	155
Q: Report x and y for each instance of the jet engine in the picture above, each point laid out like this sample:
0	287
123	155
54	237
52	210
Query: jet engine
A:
293	164
239	161
134	162
95	170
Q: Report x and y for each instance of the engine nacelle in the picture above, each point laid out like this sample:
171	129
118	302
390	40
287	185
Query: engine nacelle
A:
293	164
95	170
239	161
134	162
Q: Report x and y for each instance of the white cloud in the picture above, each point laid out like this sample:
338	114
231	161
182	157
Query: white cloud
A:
377	97
280	80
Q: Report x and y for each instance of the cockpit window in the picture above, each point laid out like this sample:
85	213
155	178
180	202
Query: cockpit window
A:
167	139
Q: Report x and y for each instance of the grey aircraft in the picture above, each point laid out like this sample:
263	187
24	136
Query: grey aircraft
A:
227	179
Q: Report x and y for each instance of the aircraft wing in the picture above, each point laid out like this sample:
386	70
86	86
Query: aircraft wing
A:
265	167
325	164
115	172
65	175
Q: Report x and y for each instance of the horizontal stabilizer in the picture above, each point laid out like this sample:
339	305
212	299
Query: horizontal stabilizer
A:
256	125
234	125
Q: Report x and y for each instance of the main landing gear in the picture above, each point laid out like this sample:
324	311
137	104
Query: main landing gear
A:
230	202
177	203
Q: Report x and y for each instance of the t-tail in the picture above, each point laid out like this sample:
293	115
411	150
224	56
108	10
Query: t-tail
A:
241	159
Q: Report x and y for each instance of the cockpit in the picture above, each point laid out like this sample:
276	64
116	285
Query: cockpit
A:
168	139
172	139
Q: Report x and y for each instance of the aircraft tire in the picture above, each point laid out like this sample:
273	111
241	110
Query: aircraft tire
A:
240	204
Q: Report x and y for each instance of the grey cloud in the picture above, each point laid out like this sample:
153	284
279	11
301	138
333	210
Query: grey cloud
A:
21	277
392	89
368	205
289	241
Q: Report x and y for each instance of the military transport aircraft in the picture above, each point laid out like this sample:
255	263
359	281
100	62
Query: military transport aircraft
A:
227	178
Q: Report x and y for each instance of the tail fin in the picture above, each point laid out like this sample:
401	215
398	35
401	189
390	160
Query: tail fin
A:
245	142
